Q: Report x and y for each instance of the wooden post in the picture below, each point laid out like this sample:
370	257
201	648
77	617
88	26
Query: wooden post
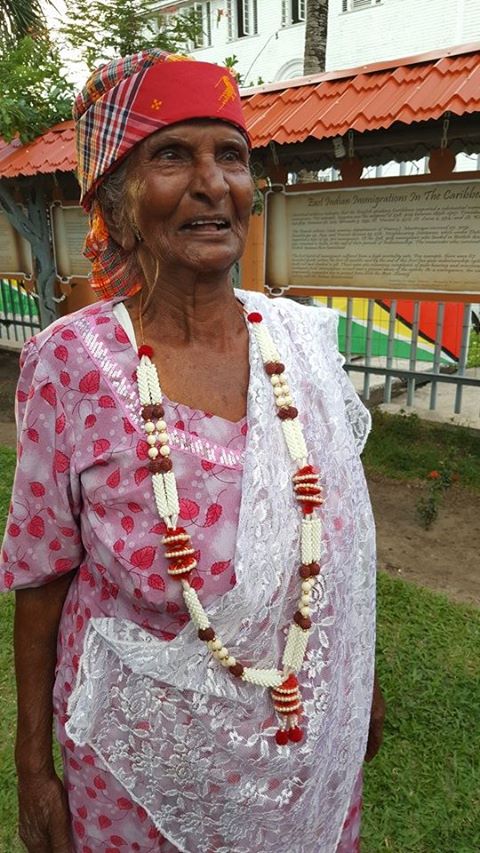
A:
252	265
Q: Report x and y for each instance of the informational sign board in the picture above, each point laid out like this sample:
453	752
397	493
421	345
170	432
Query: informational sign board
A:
421	237
69	228
15	254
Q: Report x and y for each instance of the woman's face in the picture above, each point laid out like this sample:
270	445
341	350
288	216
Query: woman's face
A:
191	194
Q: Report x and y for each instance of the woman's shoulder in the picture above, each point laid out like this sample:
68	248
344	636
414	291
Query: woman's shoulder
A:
288	312
66	329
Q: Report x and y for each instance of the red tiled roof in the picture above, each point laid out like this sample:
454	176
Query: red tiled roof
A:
51	152
374	97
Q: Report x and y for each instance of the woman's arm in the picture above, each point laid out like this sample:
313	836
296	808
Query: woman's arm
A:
44	822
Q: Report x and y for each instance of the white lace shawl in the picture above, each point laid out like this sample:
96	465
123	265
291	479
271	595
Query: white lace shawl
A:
194	746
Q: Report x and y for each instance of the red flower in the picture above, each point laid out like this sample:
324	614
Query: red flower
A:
433	475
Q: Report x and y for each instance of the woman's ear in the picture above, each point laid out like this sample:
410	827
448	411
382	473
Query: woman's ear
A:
125	233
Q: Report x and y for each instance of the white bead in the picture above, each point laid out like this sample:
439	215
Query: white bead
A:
161	426
163	438
280	401
149	426
216	645
152	440
230	661
275	380
305	600
224	653
305	611
165	450
288	400
278	390
306	586
153	452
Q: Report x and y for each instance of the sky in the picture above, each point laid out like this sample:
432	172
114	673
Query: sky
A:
76	70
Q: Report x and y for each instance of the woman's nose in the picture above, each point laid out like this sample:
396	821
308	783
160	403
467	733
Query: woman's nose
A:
208	180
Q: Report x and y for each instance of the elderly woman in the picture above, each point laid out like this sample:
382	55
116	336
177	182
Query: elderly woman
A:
190	533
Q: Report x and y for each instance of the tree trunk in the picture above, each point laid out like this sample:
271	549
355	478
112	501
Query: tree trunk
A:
315	36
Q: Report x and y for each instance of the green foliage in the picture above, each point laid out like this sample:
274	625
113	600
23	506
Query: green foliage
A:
35	92
406	447
438	483
19	18
474	349
104	29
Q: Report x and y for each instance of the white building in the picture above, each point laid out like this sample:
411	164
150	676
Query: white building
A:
268	36
365	31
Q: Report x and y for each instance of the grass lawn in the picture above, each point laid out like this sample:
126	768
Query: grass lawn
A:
404	447
422	792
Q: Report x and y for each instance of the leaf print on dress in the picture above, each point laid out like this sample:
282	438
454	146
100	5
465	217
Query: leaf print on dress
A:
143	557
101	445
36	527
49	394
219	567
37	489
214	512
189	509
61	352
90	383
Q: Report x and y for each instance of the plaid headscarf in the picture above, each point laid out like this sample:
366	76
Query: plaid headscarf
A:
122	103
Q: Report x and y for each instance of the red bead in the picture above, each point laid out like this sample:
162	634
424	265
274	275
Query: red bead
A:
145	350
291	682
237	670
304	622
274	367
287	413
307	509
295	734
307	489
308	469
206	634
254	317
309	570
177	531
183	576
281	737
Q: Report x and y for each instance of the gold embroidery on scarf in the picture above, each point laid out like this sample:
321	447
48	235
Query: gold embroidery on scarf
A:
229	92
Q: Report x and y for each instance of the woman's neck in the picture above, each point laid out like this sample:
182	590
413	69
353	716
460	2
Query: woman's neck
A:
181	313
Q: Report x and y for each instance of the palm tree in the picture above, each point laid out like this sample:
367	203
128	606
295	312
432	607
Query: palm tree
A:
315	36
19	18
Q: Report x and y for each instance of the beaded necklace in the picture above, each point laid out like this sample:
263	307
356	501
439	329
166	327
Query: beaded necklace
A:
180	553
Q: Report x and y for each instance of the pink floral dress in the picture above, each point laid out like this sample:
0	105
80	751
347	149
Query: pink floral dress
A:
82	498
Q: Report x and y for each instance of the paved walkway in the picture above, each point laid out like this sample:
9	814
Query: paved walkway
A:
445	403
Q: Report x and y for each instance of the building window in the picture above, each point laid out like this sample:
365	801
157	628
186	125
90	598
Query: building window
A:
242	18
353	5
293	12
202	16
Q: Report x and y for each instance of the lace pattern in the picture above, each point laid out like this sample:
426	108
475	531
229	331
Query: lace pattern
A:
194	747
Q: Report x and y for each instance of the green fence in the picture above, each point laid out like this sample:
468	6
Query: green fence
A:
19	315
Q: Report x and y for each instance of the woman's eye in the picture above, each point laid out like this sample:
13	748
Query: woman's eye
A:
231	154
167	154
